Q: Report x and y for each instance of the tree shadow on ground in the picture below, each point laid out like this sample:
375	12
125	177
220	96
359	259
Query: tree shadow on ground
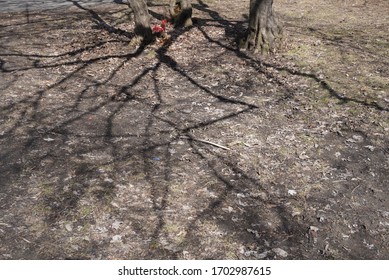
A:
103	149
236	30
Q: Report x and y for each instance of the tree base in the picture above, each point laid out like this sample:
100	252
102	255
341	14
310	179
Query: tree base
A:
142	20
264	46
181	13
145	33
264	34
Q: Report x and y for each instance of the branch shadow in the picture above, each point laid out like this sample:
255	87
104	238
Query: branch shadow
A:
100	22
235	31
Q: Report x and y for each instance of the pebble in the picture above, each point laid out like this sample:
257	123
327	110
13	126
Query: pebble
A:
279	252
69	227
116	239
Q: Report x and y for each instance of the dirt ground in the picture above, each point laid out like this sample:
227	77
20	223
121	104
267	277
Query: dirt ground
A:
194	149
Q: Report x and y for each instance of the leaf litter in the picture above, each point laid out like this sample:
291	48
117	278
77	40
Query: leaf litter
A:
194	150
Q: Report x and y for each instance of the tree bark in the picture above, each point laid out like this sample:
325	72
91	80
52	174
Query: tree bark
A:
264	32
142	19
181	12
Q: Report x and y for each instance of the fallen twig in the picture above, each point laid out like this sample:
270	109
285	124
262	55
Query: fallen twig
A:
355	188
4	224
205	142
26	240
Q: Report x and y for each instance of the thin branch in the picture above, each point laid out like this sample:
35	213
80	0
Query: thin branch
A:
205	142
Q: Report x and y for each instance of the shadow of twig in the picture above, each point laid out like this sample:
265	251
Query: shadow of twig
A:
100	22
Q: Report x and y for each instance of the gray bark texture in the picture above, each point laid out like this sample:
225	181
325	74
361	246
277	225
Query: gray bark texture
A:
181	12
142	19
264	31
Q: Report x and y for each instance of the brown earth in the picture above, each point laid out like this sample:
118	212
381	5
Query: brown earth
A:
193	149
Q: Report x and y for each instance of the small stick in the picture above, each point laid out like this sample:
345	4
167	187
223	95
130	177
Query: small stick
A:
355	188
206	142
26	240
4	224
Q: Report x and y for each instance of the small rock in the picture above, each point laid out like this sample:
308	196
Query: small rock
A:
116	239
69	227
312	234
358	138
108	180
303	156
292	192
262	255
370	147
281	253
296	213
313	228
249	253
355	139
345	236
187	110
116	224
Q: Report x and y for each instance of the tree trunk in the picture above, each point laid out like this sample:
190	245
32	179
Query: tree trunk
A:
181	12
264	33
142	19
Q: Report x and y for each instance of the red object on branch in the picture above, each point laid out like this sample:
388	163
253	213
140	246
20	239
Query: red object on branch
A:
164	23
158	29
